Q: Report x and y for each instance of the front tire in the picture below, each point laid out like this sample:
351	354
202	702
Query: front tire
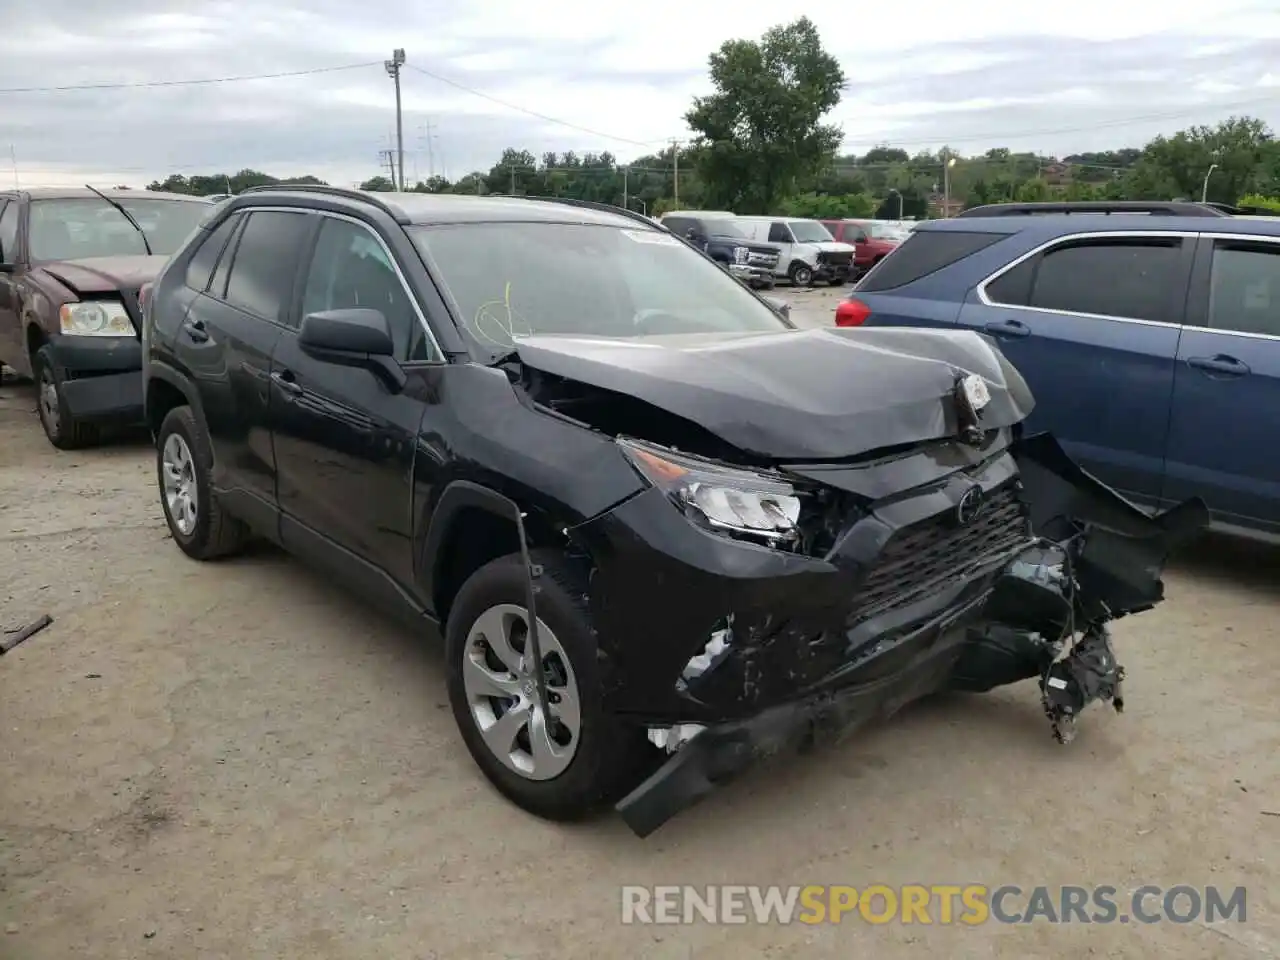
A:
63	430
801	274
184	461
585	758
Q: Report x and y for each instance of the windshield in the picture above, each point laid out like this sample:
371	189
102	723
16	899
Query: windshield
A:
71	229
725	228
509	280
809	231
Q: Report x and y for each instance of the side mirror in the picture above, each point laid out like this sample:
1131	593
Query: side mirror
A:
353	337
356	330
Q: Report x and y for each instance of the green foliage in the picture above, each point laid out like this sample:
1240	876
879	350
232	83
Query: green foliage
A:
760	131
816	206
201	186
1258	202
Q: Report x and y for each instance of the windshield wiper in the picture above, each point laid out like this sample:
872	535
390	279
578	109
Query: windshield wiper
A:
146	244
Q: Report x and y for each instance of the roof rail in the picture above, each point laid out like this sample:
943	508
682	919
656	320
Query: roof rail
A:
590	205
1168	208
324	188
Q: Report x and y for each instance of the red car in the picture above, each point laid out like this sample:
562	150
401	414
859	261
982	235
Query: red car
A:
871	241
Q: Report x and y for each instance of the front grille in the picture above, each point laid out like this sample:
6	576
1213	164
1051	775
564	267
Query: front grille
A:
924	558
835	259
763	260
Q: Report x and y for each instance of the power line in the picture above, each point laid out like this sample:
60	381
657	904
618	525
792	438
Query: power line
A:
190	83
1102	124
533	113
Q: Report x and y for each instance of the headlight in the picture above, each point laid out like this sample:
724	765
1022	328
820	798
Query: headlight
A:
95	318
758	505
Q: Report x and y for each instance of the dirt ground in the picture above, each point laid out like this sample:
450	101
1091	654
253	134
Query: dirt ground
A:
238	761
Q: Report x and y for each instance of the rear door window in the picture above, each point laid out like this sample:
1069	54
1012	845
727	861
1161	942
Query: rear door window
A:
201	265
265	263
1244	287
923	253
1113	277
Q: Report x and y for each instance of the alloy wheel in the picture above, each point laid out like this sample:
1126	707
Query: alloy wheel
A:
181	496
498	676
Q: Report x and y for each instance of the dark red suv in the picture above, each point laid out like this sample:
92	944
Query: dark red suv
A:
871	241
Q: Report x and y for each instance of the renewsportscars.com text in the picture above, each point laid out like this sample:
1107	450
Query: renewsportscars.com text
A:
965	905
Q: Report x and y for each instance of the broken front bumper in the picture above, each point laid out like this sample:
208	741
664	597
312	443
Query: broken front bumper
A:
915	597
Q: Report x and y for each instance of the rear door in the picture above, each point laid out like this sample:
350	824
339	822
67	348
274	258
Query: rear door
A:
225	343
1225	417
1092	322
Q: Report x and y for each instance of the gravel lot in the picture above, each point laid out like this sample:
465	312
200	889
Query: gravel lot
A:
236	760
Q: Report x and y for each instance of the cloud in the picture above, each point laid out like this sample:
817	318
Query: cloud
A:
974	75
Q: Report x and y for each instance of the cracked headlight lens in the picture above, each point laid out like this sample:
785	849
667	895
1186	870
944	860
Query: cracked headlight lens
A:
746	502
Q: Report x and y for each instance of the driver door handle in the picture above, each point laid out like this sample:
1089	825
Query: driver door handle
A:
196	331
1221	364
1007	328
284	380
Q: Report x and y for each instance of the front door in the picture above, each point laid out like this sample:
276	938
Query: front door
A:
12	339
1092	324
1225	419
345	443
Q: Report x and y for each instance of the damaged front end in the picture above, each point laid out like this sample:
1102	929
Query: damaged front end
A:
1009	568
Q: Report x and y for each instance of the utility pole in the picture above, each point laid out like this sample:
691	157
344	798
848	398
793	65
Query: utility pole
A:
393	70
13	158
426	136
389	158
512	171
626	204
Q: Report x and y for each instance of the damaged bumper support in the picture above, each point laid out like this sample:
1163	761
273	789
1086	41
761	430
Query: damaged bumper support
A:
921	594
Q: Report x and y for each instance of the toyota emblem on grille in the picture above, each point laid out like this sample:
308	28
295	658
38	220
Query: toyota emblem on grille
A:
970	506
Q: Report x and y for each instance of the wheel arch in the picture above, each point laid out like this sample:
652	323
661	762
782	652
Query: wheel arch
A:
471	525
164	390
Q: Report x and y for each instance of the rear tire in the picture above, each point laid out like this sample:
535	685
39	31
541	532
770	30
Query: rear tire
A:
200	525
603	758
62	429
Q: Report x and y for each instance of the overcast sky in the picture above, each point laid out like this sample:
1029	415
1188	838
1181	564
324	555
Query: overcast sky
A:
1057	77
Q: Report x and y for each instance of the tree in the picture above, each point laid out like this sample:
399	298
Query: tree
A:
761	131
378	184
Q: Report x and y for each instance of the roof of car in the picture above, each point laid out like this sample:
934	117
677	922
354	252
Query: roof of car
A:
1050	225
443	208
76	193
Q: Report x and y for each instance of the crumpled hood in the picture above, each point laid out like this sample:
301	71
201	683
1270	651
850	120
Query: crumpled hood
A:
835	246
824	394
104	274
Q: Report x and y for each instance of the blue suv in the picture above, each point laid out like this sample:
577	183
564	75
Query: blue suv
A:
1149	334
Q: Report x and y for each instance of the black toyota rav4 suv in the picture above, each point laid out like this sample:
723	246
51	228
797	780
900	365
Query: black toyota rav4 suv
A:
662	531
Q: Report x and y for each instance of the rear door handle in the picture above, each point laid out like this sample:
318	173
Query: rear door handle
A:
195	330
1220	365
1007	328
284	380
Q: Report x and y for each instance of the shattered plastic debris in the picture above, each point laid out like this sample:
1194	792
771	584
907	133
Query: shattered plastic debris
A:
672	739
715	648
